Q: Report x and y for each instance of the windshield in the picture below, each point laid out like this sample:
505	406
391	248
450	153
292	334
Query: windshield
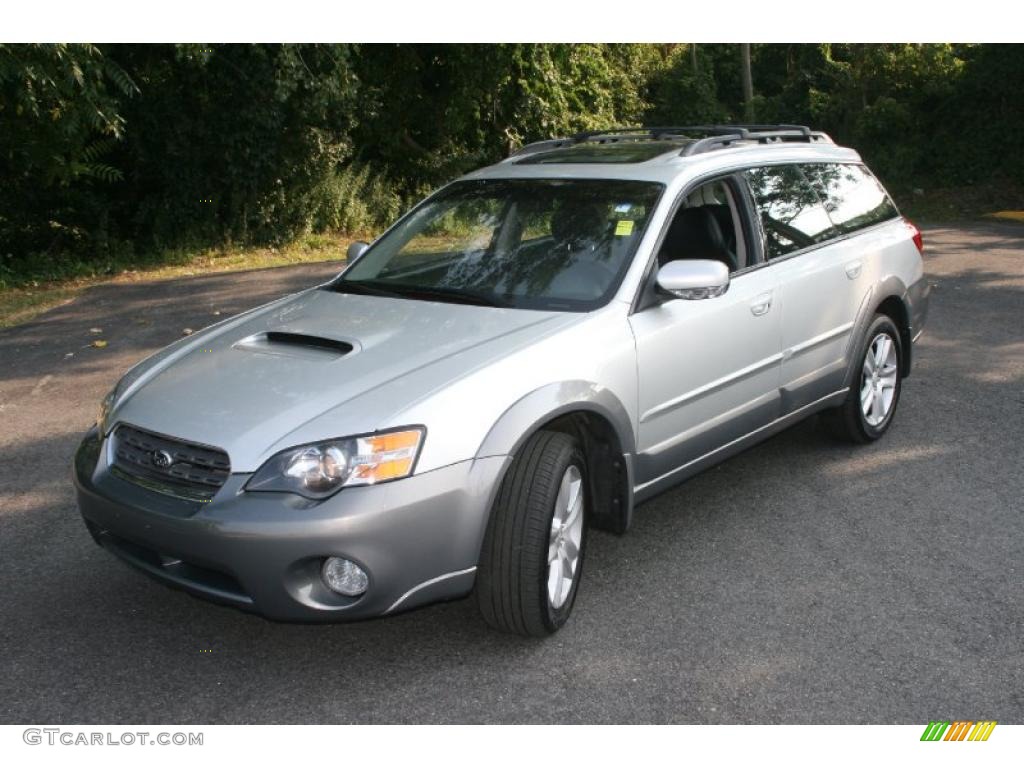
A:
533	243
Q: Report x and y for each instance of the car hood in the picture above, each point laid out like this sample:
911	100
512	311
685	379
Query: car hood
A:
250	383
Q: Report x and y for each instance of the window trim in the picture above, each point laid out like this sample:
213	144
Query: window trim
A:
607	298
760	222
753	237
748	203
765	262
816	246
869	174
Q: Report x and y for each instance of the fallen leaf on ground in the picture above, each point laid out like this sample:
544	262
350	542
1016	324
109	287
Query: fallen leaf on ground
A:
95	330
187	331
99	344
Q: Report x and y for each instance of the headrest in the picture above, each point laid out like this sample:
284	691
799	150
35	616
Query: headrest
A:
693	234
575	222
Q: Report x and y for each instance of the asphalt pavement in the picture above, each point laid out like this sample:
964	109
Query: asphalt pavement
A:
804	581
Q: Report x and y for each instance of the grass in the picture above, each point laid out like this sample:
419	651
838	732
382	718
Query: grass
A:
1014	216
944	205
22	302
19	305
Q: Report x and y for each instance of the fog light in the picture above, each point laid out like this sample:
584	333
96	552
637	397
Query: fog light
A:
344	577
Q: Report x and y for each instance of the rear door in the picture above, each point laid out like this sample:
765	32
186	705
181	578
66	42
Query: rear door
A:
805	212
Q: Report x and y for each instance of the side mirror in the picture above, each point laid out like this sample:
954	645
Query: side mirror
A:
694	278
356	250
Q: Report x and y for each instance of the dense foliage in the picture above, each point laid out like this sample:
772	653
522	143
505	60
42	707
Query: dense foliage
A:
111	150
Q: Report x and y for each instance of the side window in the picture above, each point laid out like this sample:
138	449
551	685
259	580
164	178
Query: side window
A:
791	212
708	225
852	196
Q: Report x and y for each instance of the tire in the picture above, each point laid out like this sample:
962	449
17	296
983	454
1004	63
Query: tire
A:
852	421
512	583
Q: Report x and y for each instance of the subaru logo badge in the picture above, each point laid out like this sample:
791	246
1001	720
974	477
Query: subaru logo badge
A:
162	459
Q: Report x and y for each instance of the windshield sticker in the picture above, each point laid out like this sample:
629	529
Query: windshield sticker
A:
624	228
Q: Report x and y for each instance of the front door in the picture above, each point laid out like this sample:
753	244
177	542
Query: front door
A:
708	372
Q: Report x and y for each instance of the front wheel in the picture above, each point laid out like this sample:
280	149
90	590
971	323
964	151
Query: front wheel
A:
871	403
532	556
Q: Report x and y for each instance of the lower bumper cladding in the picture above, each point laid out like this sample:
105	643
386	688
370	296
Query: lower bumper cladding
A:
417	539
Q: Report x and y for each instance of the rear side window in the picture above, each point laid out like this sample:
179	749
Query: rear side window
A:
791	212
853	197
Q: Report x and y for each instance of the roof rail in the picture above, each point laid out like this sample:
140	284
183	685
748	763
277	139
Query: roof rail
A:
611	135
727	135
711	136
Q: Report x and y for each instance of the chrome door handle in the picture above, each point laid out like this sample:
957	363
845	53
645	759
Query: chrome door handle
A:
761	304
853	269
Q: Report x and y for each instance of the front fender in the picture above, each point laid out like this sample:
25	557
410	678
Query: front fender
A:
532	411
611	479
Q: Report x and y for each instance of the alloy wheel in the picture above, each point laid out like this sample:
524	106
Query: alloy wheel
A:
878	379
566	537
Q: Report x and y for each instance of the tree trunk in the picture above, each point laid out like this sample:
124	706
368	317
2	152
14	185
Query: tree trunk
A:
693	57
748	83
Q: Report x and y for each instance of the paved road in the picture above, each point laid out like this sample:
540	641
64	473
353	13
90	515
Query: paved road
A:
803	581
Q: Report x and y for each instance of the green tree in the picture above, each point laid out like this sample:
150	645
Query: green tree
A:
61	112
428	112
109	148
232	142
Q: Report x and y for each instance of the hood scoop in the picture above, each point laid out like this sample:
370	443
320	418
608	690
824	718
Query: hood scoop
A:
292	344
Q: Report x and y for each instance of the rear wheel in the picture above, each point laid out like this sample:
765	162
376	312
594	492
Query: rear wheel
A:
869	407
529	568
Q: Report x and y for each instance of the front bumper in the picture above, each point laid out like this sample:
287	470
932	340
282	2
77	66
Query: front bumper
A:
418	538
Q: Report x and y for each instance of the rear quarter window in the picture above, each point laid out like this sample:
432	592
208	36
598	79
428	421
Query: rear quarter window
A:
853	197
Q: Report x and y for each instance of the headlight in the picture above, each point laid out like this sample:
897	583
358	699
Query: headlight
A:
318	470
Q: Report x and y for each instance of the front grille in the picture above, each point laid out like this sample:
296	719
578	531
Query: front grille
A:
168	465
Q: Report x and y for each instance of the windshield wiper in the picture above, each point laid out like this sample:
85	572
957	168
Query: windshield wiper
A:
364	288
429	293
454	295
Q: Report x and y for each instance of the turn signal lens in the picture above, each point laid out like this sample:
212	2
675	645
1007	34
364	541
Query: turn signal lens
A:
385	457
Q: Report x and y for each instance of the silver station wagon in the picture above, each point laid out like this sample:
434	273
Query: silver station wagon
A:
528	354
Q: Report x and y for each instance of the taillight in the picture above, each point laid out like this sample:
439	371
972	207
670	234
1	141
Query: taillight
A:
916	234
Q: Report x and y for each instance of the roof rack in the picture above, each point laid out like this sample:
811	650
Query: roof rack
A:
710	137
607	136
727	135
